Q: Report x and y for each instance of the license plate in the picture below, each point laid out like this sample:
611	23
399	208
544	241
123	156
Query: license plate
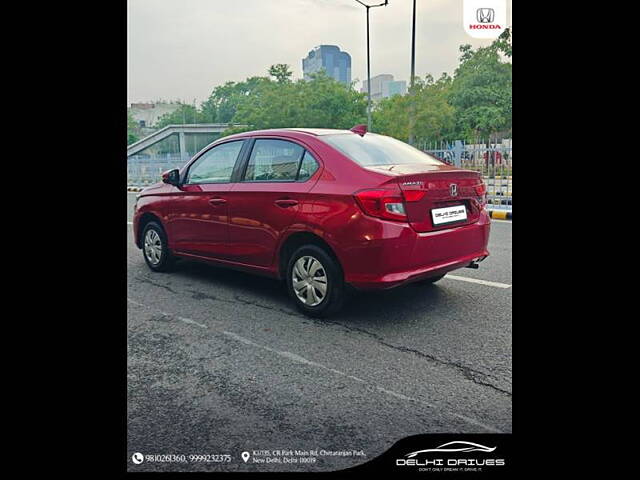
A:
446	215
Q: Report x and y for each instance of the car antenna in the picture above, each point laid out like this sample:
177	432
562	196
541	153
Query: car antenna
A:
359	129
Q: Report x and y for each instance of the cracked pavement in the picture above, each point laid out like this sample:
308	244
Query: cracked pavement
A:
221	362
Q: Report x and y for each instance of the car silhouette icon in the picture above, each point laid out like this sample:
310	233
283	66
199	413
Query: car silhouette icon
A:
455	446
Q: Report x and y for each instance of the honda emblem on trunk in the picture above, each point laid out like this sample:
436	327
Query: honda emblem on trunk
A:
453	188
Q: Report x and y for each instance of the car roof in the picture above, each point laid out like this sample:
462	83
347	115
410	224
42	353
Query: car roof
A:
288	131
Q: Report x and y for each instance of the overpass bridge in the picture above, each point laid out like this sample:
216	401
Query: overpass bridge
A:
150	156
182	130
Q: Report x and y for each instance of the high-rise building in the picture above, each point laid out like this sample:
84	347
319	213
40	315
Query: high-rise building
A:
336	63
384	86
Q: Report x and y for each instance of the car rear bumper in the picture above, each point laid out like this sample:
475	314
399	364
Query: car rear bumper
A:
400	255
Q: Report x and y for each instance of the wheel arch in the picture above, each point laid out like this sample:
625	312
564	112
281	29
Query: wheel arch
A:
144	219
295	240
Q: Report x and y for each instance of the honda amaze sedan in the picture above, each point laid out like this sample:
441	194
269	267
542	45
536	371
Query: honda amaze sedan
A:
322	209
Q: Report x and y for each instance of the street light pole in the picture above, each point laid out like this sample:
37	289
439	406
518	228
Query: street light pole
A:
412	106
369	61
413	45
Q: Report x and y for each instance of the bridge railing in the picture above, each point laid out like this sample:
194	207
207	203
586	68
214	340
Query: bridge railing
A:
143	170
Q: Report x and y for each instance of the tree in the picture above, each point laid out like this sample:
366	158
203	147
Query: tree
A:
281	72
224	99
481	90
185	114
132	129
434	117
319	102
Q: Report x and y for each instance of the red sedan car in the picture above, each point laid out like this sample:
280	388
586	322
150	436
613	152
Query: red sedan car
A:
319	208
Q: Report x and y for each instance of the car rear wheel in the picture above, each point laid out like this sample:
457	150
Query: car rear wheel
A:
155	248
314	281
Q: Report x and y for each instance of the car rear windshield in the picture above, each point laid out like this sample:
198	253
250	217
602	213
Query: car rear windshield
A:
373	150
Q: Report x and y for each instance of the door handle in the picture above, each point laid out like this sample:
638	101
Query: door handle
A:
286	202
217	201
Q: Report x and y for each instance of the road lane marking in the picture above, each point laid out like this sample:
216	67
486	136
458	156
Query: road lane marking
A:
481	282
129	223
299	359
182	319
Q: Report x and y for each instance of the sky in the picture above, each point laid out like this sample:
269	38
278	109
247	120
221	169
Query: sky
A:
182	49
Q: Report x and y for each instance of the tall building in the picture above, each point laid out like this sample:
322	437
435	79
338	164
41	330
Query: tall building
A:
384	86
336	63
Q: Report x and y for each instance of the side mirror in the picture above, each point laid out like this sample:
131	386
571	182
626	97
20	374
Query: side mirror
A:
172	177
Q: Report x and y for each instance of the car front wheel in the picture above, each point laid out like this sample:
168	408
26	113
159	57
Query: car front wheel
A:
314	281
155	248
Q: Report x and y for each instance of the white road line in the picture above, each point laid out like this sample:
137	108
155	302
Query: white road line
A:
298	359
481	282
500	221
129	223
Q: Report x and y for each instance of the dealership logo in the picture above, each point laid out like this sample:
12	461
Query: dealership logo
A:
459	446
485	15
453	189
452	454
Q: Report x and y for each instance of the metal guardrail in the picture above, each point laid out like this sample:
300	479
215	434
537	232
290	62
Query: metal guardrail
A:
494	162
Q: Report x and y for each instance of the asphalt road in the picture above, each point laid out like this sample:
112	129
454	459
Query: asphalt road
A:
220	362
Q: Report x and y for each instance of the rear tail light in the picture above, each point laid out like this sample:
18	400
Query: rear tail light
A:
387	204
481	191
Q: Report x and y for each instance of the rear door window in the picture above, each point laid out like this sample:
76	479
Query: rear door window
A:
274	160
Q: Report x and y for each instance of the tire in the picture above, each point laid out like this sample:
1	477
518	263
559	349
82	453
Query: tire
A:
155	248
302	267
430	280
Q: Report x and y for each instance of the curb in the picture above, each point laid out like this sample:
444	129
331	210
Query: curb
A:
500	214
134	189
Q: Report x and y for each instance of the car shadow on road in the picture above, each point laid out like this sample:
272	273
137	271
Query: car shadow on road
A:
398	305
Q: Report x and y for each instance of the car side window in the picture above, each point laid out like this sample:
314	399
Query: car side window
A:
215	165
308	167
273	161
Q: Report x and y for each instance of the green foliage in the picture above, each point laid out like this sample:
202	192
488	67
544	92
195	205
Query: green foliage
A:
132	130
481	90
475	102
281	72
185	114
225	98
319	102
434	117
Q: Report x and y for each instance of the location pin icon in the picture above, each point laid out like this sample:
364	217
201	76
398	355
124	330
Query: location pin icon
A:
245	456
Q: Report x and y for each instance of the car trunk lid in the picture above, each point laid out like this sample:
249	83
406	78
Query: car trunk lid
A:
437	196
